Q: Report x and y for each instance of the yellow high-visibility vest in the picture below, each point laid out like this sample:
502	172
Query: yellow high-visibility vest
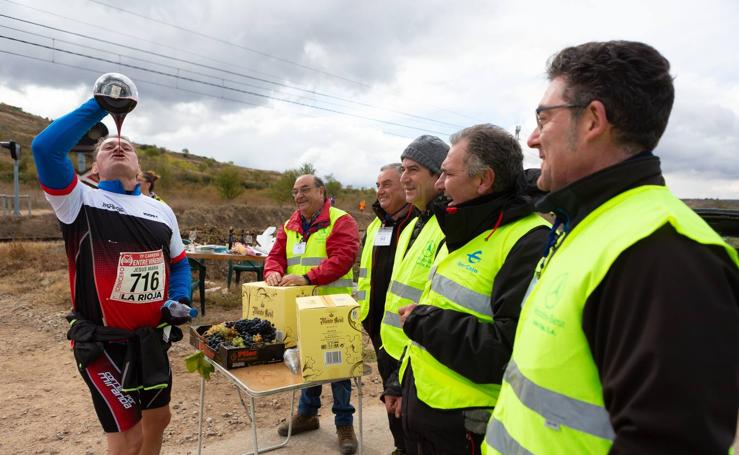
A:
551	400
463	281
410	274
365	269
315	252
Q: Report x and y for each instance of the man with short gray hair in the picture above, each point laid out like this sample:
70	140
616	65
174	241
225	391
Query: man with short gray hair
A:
461	331
375	268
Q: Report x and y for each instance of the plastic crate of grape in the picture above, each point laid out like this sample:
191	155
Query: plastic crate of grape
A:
236	344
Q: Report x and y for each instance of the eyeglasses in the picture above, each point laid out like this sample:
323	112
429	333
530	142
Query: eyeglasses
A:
302	190
541	109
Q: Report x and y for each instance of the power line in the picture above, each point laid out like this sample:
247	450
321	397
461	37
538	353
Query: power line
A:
222	41
246	76
57	40
256	51
135	37
157	84
197	81
138	80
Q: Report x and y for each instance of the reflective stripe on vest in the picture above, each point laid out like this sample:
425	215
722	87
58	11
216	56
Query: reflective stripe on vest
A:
409	277
341	283
497	437
552	398
463	282
365	268
559	409
405	292
314	254
474	301
392	319
308	262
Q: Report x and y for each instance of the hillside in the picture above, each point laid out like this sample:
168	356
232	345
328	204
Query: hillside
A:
188	183
176	169
20	126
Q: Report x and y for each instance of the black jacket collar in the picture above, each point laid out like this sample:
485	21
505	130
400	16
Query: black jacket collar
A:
436	204
575	201
387	218
466	221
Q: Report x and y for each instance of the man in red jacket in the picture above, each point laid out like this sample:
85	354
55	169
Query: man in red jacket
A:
317	230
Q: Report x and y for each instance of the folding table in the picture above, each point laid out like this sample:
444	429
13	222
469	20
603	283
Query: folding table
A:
264	380
197	259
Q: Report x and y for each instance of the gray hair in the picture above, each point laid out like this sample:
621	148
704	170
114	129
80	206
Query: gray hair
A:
397	166
318	183
490	146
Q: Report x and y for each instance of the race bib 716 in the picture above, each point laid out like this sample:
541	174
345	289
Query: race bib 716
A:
140	277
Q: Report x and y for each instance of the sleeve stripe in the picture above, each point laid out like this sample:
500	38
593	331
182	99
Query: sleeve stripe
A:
60	191
179	257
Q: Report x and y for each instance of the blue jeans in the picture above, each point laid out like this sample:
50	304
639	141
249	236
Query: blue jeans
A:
310	401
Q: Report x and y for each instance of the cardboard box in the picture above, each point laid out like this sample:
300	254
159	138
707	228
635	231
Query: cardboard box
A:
236	357
329	337
275	304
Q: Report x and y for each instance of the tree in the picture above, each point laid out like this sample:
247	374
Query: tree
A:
306	168
228	183
333	186
280	190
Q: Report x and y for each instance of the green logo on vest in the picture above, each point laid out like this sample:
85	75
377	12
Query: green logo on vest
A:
545	316
554	293
427	257
321	234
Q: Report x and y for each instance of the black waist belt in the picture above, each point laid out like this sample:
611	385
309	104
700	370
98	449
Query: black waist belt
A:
146	364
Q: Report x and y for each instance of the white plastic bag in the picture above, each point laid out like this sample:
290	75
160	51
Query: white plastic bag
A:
265	241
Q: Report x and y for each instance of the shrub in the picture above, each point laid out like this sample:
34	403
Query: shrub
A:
228	183
280	190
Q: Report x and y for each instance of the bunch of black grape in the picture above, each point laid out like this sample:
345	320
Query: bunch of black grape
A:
214	341
255	329
219	334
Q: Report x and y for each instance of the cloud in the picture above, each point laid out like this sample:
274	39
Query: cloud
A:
37	99
454	63
701	137
695	184
276	138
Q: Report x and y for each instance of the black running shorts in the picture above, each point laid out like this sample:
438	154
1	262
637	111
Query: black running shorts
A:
119	411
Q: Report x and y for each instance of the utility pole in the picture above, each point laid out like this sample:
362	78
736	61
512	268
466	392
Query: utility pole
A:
15	153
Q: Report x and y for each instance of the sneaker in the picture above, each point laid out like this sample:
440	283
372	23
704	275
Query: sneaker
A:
301	424
347	439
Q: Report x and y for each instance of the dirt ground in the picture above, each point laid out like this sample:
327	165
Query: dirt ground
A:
46	405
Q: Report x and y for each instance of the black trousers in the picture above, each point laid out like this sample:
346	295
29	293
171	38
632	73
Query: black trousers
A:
435	431
386	364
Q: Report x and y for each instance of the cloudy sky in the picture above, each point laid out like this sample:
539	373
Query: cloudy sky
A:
346	85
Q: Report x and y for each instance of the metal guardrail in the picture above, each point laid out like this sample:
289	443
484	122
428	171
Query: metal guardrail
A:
7	201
